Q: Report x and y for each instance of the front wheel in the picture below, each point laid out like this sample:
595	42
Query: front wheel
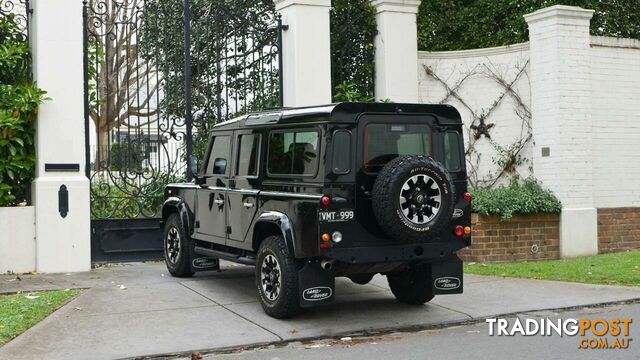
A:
277	279
412	286
176	248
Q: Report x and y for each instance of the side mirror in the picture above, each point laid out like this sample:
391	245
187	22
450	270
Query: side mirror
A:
193	165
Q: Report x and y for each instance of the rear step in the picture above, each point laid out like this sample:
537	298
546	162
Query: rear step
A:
224	255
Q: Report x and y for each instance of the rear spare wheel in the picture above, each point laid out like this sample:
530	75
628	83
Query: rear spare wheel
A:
413	198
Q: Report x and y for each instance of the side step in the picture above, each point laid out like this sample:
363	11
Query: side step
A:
224	255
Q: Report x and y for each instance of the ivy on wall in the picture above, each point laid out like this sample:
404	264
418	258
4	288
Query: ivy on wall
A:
462	24
507	157
19	101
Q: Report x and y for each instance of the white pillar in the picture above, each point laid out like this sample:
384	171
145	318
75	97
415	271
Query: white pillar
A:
306	52
62	243
397	50
561	120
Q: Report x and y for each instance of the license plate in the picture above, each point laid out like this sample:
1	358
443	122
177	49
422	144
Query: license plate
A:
336	215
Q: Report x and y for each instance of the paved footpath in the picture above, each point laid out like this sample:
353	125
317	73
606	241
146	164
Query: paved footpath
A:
137	310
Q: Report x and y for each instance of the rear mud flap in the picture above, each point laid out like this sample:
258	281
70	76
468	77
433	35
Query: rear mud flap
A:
446	276
317	286
200	262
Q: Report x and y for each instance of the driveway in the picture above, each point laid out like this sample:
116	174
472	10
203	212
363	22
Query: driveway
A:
139	309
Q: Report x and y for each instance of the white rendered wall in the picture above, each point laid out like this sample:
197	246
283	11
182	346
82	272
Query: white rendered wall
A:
17	239
306	53
615	104
396	50
479	92
62	244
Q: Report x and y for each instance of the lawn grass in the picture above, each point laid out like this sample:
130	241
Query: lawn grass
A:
609	269
18	312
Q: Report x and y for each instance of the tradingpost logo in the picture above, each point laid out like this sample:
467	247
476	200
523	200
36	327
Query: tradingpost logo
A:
598	333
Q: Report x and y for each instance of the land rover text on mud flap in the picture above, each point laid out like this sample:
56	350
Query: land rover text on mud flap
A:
309	194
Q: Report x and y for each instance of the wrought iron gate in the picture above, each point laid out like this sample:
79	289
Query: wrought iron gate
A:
159	73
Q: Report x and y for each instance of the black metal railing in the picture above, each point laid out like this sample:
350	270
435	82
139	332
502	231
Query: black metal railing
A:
21	10
159	74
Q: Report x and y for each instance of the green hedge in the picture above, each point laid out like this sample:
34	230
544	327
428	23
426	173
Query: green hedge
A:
19	101
519	197
464	24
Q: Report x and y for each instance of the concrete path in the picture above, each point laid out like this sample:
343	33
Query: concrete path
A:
158	314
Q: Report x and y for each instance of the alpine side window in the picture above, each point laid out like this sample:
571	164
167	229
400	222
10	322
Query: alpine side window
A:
452	158
219	156
341	152
248	155
293	153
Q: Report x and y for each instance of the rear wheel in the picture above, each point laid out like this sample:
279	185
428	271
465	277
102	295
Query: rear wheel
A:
176	247
277	279
412	286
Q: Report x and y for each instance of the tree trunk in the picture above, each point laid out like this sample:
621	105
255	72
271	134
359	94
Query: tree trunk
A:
102	149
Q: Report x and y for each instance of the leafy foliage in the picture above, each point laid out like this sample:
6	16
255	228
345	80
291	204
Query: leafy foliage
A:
463	24
19	101
123	197
519	197
353	30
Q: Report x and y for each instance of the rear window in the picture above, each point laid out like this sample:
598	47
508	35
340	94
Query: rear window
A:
384	142
293	153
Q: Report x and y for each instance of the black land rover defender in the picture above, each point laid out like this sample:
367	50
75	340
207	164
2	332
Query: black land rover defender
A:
308	194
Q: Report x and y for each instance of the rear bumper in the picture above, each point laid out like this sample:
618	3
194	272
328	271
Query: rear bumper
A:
427	252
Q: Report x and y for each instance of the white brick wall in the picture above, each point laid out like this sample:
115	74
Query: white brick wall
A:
615	99
479	92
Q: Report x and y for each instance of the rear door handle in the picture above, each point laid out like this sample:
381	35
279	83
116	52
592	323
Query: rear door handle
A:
247	205
218	201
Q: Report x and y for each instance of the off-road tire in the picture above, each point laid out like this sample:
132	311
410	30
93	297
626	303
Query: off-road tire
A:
287	303
182	266
412	286
386	197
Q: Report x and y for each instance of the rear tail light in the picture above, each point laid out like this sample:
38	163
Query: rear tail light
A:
325	201
459	231
466	196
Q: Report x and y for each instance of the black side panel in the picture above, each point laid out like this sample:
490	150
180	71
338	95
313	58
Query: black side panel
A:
126	240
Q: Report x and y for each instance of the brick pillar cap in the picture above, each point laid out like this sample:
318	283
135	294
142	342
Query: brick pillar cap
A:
559	11
399	6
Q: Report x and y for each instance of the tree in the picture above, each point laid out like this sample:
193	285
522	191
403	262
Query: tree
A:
353	31
233	59
123	83
466	24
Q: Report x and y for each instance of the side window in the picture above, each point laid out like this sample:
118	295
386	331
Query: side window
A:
219	156
248	155
452	158
341	152
293	153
